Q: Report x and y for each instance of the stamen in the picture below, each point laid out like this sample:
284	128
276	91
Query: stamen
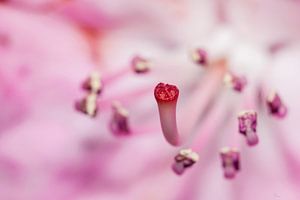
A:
230	158
93	83
199	56
119	122
183	160
140	64
88	105
235	82
166	97
247	126
276	106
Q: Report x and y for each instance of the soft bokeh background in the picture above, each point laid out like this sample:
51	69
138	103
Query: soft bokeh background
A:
50	151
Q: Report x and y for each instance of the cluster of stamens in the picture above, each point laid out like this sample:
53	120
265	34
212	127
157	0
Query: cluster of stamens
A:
183	160
237	83
276	106
230	161
166	96
88	105
119	122
247	126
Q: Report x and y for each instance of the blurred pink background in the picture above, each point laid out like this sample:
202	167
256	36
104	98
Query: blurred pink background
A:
50	151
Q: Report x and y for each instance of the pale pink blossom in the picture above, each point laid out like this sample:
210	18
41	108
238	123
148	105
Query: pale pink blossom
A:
50	150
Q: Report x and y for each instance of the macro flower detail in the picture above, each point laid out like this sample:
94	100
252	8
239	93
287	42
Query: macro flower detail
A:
119	124
183	160
230	158
150	122
199	56
140	64
247	126
237	83
276	106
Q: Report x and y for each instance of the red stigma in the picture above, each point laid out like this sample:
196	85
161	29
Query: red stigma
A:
165	92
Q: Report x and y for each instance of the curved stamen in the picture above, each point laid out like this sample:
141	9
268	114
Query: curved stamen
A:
166	96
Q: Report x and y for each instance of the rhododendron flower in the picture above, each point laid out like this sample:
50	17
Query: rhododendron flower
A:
186	99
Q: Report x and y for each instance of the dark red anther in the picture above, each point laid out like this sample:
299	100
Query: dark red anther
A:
230	161
237	83
276	106
247	126
183	160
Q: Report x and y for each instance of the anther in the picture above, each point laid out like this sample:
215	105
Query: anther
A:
183	160
276	106
235	82
199	56
247	126
93	83
88	105
140	64
119	122
230	158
